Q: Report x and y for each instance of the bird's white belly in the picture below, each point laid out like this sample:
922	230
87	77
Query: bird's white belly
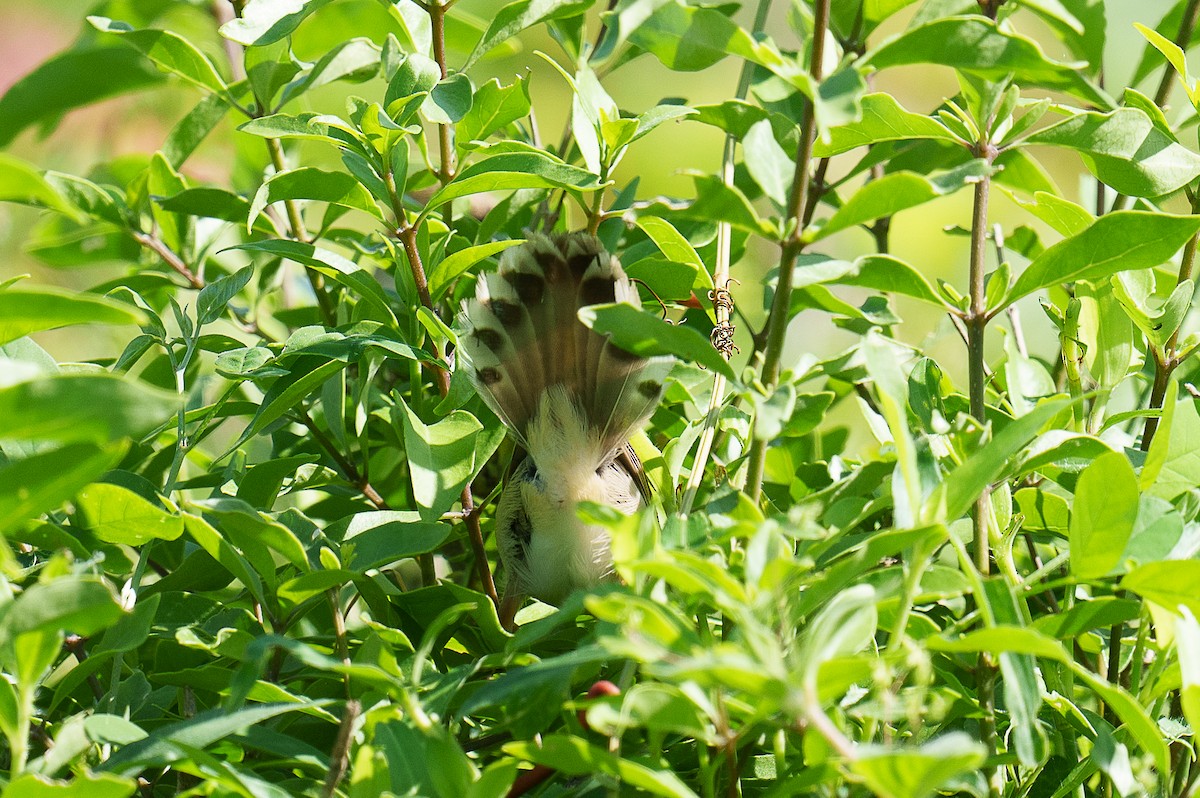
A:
565	554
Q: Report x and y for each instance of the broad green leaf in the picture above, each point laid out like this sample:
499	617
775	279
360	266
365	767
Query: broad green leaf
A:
954	496
845	626
494	107
516	17
83	606
1170	584
674	246
885	273
44	480
883	119
576	757
170	51
20	182
355	60
193	128
310	183
976	44
1133	291
903	772
511	171
441	457
267	21
176	741
450	100
23	311
668	279
1126	150
1173	463
51	408
899	191
1115	242
117	515
646	335
375	539
99	785
163	181
213	203
268	69
72	79
1106	507
450	268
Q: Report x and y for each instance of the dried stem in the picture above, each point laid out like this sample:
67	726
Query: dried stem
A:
793	245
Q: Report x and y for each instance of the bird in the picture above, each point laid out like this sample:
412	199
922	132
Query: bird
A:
570	397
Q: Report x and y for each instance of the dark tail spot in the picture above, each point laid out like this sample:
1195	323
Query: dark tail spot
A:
649	388
492	339
529	287
506	313
579	263
489	376
597	290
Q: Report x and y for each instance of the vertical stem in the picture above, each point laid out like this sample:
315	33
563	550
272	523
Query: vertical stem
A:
1165	365
793	245
976	322
437	20
721	281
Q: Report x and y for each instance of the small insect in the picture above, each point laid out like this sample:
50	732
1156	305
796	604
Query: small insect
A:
570	397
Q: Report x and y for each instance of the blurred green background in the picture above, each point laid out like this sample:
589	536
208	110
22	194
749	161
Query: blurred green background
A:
135	125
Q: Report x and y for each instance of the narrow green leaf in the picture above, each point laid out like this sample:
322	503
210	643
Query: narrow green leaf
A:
24	311
494	107
512	171
450	268
646	335
310	183
117	515
20	182
516	17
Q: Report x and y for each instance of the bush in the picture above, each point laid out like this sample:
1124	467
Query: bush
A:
250	551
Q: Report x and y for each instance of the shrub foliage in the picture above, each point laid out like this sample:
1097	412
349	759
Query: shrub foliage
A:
250	552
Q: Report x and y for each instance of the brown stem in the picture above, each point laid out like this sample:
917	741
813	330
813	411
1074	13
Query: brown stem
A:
793	245
437	21
349	470
339	758
1183	38
160	248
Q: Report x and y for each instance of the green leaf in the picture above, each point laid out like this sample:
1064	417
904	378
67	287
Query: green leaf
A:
904	772
20	182
310	183
494	107
313	127
885	273
355	60
83	606
516	17
43	481
899	191
976	44
1064	216
177	741
1115	242
24	311
883	119
268	21
1173	463
100	785
210	304
170	51
287	392
333	266
190	131
1106	507
450	268
441	457
573	756
117	515
954	495
49	408
212	203
70	80
1133	291
1170	584
375	539
767	163
450	100
1126	150
674	246
511	171
646	335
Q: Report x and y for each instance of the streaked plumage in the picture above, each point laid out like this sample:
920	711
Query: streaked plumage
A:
570	397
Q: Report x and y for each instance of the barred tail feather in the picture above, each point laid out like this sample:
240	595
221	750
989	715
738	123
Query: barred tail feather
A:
522	336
